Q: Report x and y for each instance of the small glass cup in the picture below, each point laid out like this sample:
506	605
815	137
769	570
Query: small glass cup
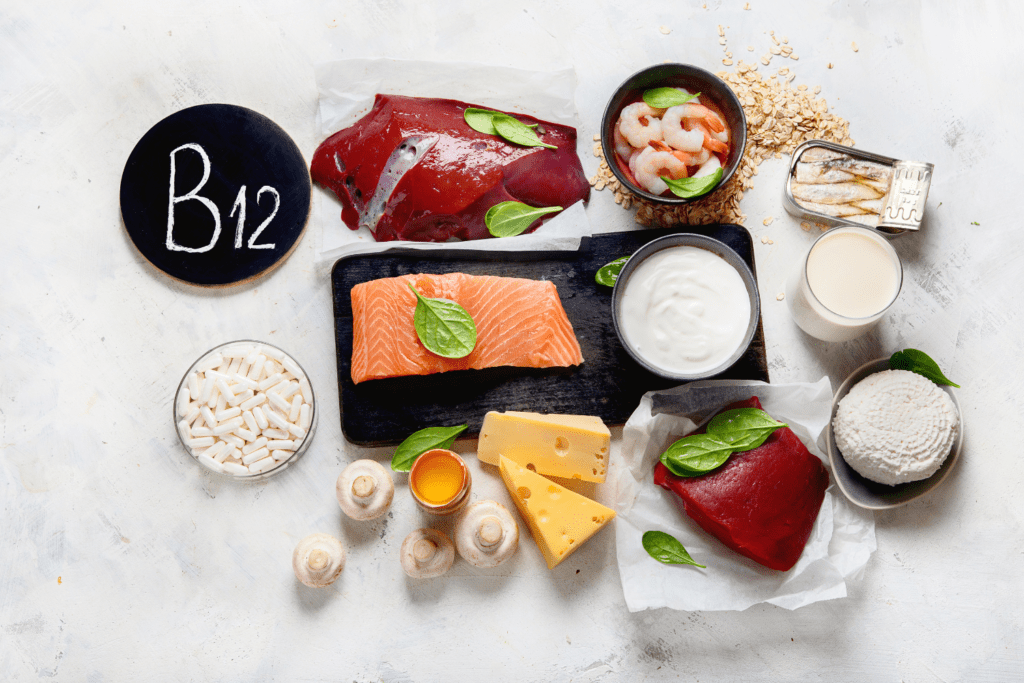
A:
858	276
282	464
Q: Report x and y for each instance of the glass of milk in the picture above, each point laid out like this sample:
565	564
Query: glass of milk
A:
848	280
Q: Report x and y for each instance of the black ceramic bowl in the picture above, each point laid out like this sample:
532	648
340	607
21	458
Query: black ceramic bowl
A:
693	79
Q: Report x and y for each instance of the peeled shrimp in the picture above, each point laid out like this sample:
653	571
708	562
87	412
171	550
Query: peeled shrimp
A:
622	147
708	167
651	164
674	133
699	111
711	142
639	124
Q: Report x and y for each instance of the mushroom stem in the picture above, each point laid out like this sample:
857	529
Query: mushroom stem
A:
423	550
426	553
317	560
489	533
363	486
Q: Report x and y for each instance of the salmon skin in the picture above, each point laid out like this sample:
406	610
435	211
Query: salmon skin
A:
520	323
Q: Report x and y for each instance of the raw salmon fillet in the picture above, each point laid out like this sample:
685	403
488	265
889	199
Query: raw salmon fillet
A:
519	322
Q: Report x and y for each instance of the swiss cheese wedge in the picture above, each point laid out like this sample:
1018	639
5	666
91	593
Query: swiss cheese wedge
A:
567	446
559	519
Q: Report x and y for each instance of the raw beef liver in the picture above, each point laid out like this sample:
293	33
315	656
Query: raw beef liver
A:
448	190
762	503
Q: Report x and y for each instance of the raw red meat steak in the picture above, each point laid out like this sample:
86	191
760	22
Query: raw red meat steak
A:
761	503
434	177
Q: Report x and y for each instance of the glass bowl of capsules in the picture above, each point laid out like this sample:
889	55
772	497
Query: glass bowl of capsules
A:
245	409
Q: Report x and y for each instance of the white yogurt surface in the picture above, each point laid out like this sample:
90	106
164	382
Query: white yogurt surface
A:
685	310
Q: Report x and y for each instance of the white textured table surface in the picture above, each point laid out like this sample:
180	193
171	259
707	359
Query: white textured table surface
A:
120	560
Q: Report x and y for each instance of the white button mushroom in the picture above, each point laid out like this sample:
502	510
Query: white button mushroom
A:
318	560
427	553
365	490
486	535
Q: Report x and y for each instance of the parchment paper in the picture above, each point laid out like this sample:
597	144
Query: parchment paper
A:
841	541
347	89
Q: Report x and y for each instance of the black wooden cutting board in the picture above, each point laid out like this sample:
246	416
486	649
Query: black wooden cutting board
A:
608	384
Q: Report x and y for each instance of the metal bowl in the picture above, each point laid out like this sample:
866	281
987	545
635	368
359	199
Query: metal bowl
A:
701	242
872	495
283	464
693	79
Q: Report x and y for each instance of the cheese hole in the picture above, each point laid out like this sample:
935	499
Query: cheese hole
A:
603	451
523	492
596	520
530	466
543	517
562	446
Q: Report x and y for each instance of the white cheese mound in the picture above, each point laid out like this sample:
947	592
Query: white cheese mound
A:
895	427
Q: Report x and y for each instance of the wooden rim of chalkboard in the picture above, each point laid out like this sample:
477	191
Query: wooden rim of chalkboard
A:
238	148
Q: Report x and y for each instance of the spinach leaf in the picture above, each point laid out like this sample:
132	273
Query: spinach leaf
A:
517	132
481	120
609	273
695	455
688	188
666	549
921	363
444	327
744	428
663	98
508	219
422	441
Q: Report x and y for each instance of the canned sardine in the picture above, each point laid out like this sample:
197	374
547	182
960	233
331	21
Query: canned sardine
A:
837	185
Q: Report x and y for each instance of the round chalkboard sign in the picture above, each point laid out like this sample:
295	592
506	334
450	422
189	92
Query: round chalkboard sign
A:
215	195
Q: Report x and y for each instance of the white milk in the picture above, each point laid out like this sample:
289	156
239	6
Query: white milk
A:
685	310
849	279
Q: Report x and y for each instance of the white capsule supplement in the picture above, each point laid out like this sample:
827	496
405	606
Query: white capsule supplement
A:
235	468
227	414
194	386
244	410
256	400
278	402
263	465
183	401
245	434
255	455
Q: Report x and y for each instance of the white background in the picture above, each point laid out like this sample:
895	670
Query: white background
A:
120	560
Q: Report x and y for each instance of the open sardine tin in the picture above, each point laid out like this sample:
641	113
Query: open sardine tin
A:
836	185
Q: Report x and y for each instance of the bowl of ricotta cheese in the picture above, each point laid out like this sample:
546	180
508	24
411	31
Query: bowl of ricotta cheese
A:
685	306
894	435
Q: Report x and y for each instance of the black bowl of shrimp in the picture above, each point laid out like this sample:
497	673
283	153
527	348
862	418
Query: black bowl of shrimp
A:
673	133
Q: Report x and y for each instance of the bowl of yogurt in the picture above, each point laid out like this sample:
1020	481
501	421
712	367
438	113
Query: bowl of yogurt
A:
685	307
